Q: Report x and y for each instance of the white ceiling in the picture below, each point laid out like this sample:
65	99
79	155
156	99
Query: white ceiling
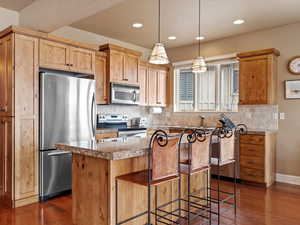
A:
15	4
180	18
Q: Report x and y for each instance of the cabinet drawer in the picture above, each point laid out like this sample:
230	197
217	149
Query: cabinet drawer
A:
253	139
252	162
254	175
106	135
252	150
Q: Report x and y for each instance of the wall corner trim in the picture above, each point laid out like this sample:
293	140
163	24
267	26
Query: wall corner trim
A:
290	179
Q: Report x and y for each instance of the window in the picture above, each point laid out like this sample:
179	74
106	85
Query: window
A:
213	91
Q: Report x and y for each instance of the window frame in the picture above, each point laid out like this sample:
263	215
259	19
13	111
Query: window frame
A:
218	65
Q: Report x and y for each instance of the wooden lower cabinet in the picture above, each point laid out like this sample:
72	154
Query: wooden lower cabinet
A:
6	160
94	191
257	158
106	135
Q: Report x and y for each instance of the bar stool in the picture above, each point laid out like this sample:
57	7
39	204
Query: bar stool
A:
163	166
197	160
224	157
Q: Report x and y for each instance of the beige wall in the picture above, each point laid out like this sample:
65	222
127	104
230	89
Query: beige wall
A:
92	38
287	40
8	18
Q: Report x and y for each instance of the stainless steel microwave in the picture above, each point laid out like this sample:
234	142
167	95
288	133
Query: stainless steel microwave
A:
125	94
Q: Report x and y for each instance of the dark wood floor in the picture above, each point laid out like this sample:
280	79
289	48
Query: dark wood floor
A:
279	205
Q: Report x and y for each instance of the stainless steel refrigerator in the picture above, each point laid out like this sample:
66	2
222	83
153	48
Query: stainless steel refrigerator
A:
67	114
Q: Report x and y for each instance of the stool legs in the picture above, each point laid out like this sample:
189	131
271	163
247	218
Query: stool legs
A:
218	171
234	164
189	198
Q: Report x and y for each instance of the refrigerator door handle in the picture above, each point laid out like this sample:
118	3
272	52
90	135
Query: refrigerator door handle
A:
93	117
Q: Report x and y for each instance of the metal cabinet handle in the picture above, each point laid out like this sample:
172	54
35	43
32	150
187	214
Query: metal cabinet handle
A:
125	79
59	153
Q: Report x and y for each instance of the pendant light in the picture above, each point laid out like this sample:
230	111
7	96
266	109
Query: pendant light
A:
199	65
158	54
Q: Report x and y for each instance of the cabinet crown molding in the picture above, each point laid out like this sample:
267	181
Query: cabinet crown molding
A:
107	47
47	36
268	51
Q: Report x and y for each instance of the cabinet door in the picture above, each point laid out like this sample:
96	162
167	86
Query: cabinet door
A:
6	154
82	60
117	66
54	55
152	87
6	76
162	88
26	120
143	82
254	81
131	69
102	85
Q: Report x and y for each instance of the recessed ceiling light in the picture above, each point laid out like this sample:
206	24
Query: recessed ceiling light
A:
239	21
200	38
172	38
137	25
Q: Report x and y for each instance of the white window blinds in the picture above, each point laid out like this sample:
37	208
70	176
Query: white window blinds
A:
213	91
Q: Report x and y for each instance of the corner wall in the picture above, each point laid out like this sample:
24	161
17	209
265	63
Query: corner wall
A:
286	40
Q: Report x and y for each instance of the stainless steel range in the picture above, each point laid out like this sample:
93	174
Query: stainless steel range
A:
120	122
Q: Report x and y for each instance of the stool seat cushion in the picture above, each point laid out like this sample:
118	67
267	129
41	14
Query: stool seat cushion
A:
214	161
141	178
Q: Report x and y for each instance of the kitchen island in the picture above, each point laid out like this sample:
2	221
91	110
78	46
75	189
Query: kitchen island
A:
96	165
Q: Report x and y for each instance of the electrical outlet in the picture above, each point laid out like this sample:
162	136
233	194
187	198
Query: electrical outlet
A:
282	116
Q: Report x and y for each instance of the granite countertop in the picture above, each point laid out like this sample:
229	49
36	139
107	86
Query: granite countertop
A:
121	148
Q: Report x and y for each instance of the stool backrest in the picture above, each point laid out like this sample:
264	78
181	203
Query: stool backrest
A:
164	157
200	153
227	148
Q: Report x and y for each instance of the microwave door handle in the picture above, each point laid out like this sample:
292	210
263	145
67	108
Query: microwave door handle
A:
134	96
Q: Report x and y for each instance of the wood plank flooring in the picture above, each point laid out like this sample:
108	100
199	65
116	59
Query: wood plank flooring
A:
279	205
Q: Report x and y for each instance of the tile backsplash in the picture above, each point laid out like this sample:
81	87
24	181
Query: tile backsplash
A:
256	117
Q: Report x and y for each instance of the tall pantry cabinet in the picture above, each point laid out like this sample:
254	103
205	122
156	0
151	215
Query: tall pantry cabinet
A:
18	119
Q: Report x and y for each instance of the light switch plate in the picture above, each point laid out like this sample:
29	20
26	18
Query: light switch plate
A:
282	116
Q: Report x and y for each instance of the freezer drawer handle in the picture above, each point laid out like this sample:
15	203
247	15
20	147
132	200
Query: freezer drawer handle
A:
59	153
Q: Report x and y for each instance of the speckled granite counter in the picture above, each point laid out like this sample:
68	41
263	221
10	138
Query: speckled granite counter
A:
122	148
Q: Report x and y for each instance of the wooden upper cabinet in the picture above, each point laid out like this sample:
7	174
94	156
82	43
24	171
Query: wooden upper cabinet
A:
152	87
82	60
162	88
143	82
6	159
6	76
131	69
102	84
123	64
258	77
117	66
54	55
59	56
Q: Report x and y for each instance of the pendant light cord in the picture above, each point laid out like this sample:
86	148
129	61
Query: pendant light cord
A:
158	21
199	34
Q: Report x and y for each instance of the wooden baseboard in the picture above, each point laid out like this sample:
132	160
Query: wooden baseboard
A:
25	201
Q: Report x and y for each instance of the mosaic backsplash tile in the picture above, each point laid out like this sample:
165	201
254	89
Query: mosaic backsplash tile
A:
256	117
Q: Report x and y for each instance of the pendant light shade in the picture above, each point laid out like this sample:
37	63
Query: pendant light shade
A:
159	54
199	65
